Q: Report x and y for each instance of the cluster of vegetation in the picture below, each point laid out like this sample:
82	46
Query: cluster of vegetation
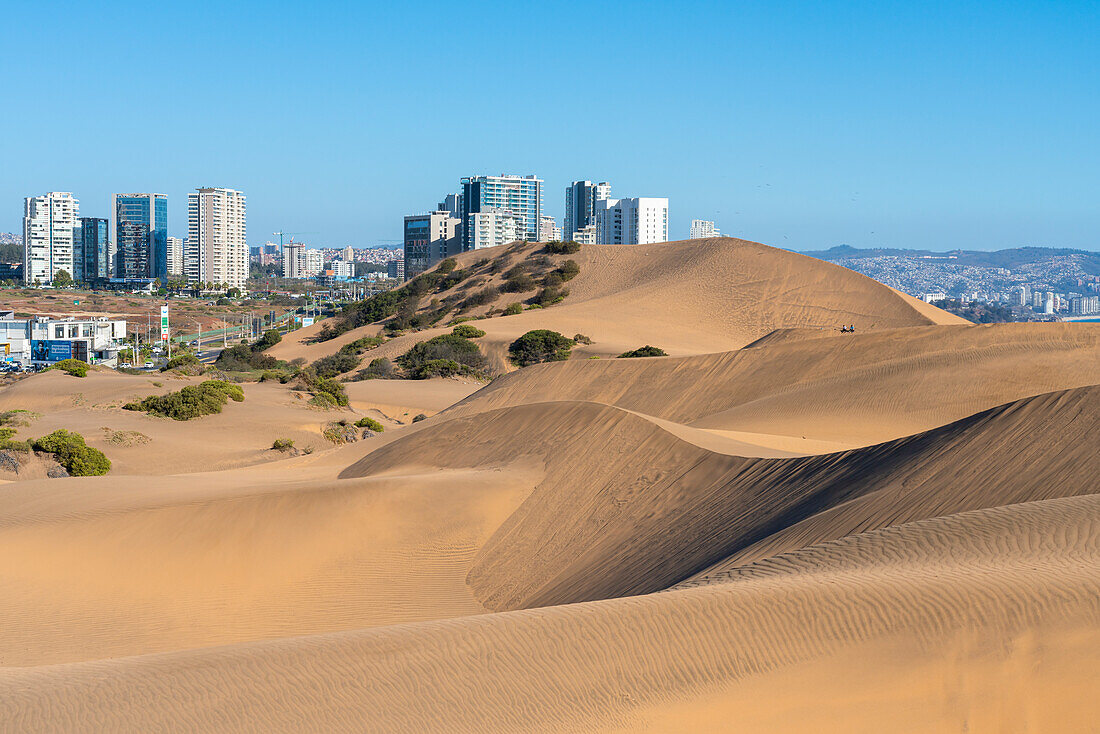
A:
378	369
362	344
419	417
646	351
327	393
186	364
443	356
70	451
978	313
74	367
467	332
402	309
248	357
193	401
370	424
561	248
335	364
540	345
340	432
283	444
9	421
125	438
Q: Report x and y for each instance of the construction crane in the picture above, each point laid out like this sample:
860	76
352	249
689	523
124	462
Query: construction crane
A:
291	234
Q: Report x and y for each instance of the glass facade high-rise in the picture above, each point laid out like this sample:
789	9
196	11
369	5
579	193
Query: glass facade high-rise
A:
91	250
141	236
581	206
520	195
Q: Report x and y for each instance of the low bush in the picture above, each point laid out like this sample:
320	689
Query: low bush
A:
362	344
569	270
321	387
467	332
581	339
540	345
340	432
283	444
420	417
71	452
646	351
74	367
483	297
549	296
336	364
448	265
561	248
442	355
380	368
193	401
513	308
518	281
371	424
187	364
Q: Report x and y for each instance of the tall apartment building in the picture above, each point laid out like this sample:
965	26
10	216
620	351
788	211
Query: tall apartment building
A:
294	261
348	254
48	224
174	248
428	239
638	221
549	231
491	227
217	251
396	269
313	262
701	229
140	223
581	199
452	204
521	195
92	250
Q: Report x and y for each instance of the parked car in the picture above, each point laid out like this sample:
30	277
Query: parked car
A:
148	364
125	366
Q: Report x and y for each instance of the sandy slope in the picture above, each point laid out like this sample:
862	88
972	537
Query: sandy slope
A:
240	435
984	621
688	297
851	389
104	567
625	506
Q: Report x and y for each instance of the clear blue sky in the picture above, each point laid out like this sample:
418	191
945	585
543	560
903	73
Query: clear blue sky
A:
798	124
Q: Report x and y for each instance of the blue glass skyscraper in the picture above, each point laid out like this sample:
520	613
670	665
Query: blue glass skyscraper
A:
520	195
141	236
91	250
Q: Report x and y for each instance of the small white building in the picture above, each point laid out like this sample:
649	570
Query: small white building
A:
493	226
44	340
703	229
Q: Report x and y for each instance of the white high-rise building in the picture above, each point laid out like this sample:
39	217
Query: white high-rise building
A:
702	229
217	251
293	260
48	223
175	256
637	221
493	226
549	231
348	254
313	262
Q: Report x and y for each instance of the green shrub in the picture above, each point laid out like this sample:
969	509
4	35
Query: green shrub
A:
379	368
188	363
371	424
561	248
540	345
193	401
569	270
336	364
362	344
71	452
436	356
483	297
518	282
269	339
448	265
581	339
324	401
646	351
420	417
340	432
513	309
283	444
467	332
74	367
549	296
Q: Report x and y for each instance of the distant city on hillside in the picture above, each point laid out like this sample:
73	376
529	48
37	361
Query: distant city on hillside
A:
1029	282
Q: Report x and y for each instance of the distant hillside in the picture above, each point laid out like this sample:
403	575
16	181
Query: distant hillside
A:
1008	258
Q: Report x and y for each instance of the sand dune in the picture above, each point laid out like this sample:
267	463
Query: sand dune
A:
984	621
626	507
688	297
854	389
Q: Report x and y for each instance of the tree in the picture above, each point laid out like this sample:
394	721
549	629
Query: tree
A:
540	345
62	279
